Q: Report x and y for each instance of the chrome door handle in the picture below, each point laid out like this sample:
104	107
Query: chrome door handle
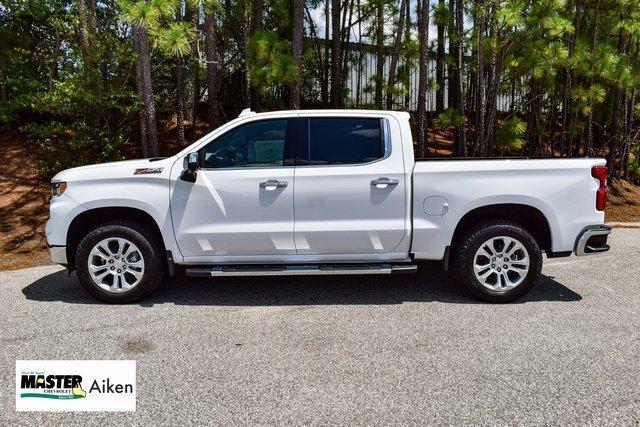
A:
272	184
384	182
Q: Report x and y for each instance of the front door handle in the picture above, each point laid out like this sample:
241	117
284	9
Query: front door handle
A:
384	182
272	184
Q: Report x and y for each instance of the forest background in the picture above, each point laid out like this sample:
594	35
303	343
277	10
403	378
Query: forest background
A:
87	81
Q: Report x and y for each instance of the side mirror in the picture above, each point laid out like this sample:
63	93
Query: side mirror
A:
192	161
192	164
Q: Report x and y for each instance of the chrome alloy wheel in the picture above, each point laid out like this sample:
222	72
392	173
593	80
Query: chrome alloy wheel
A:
501	263
116	264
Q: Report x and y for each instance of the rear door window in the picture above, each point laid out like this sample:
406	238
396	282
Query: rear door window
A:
341	141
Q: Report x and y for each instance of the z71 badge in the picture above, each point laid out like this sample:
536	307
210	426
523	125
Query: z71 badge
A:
146	171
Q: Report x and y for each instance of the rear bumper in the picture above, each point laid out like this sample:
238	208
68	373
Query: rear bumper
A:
592	240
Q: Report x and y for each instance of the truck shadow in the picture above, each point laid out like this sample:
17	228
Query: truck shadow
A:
429	285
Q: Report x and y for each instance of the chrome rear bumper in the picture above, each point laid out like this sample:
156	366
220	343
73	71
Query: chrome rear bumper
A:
592	240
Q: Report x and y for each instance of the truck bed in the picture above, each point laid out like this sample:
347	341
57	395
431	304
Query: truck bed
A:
447	189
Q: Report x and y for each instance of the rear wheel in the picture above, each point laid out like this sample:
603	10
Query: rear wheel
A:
119	262
498	261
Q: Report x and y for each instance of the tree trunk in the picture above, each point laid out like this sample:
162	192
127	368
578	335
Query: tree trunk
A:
82	32
360	56
346	30
53	68
631	100
142	119
324	89
246	33
180	100
567	101
423	35
460	143
480	88
317	49
594	39
379	52
512	95
336	64
196	101
533	135
630	114
495	70
256	15
194	17
452	55
396	54
552	119
616	114
407	60
149	132
4	88
296	50
92	19
256	25
440	61
470	93
213	71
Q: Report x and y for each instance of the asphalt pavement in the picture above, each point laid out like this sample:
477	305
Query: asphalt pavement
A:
346	350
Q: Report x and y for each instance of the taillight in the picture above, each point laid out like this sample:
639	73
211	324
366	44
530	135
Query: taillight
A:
600	173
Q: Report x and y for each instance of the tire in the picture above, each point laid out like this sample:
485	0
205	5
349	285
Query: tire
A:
483	276
106	243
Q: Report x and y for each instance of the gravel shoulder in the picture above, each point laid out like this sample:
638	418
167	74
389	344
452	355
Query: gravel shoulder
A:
365	350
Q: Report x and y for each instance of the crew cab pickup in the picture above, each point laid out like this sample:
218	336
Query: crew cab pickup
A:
322	192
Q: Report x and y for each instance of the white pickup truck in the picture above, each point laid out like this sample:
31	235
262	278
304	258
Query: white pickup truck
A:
322	192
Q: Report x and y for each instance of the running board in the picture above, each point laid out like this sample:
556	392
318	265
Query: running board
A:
300	270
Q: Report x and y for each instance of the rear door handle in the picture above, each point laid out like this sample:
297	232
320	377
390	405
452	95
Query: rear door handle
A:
384	182
272	184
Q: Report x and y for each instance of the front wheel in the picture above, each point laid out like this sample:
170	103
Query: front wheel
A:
498	261
119	262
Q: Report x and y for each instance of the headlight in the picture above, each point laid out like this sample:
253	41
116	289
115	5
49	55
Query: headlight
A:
57	188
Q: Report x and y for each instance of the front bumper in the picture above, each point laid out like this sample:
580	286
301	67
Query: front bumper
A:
58	254
62	211
592	240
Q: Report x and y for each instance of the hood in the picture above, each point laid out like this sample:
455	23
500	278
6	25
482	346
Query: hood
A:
121	169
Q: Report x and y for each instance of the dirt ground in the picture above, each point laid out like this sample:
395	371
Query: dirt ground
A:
24	205
623	202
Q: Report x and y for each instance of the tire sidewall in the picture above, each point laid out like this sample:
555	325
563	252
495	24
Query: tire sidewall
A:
147	246
479	236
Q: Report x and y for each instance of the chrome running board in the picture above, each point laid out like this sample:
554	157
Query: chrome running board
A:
299	270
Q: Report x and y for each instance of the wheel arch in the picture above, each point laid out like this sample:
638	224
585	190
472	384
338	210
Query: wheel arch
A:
92	218
527	216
